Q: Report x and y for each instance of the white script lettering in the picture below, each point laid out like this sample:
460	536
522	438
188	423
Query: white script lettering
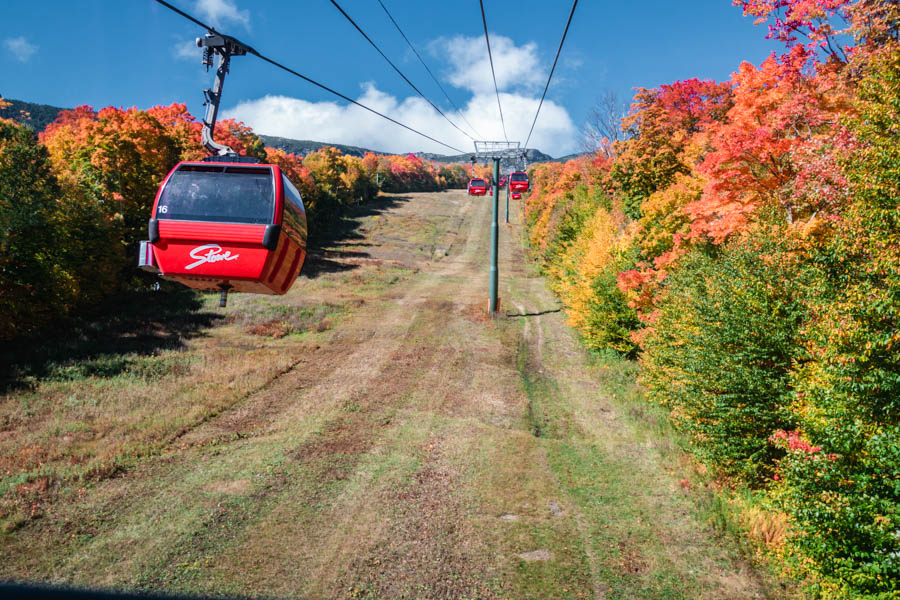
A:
213	254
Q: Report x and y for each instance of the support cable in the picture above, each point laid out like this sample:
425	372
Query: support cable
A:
274	63
421	60
399	72
491	59
558	50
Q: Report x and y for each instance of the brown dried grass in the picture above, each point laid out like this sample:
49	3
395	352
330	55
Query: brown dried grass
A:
767	527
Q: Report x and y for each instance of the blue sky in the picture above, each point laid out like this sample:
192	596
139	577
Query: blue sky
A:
137	53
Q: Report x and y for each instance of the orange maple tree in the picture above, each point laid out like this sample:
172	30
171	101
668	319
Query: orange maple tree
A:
782	122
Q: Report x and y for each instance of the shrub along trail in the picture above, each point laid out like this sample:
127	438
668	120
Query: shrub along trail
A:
371	434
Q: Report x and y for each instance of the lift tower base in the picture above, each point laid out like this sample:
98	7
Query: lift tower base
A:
495	151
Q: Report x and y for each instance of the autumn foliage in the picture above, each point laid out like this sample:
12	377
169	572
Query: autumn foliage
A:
742	241
76	199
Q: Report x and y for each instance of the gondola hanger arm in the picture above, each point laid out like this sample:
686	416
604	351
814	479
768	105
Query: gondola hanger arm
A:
224	47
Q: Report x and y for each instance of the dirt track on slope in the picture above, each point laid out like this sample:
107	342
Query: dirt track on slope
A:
402	446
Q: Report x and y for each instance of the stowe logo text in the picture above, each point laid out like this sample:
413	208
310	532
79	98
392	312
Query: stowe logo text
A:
213	254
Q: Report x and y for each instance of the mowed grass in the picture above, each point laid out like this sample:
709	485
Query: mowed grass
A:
125	384
626	480
373	434
94	417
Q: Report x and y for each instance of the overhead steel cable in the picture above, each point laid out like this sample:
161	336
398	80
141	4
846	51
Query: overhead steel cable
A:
411	47
553	68
352	101
491	59
274	63
399	72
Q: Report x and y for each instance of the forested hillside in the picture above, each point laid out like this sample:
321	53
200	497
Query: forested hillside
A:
36	116
743	243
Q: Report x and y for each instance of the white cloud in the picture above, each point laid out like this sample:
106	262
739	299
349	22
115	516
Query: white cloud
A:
20	48
516	67
187	49
572	62
332	122
519	77
219	12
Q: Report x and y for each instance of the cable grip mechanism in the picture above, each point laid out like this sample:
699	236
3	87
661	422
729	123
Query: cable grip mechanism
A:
224	47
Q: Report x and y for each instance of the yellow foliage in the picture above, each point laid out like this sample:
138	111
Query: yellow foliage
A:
593	248
663	215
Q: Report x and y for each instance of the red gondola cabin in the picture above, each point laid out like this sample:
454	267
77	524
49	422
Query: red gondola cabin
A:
229	226
477	187
518	181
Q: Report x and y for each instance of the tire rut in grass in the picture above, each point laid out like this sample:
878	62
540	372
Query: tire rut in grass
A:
312	473
256	411
642	541
544	421
430	549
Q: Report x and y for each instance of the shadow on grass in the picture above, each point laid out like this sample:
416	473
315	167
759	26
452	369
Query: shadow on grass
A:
111	338
343	230
104	342
535	314
316	265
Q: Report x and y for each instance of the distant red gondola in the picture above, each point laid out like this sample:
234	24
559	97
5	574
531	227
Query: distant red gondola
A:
227	226
477	187
518	181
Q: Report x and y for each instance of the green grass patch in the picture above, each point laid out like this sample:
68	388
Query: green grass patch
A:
546	416
132	366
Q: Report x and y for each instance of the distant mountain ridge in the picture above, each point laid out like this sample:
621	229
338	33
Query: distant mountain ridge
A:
38	116
531	155
304	147
569	157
